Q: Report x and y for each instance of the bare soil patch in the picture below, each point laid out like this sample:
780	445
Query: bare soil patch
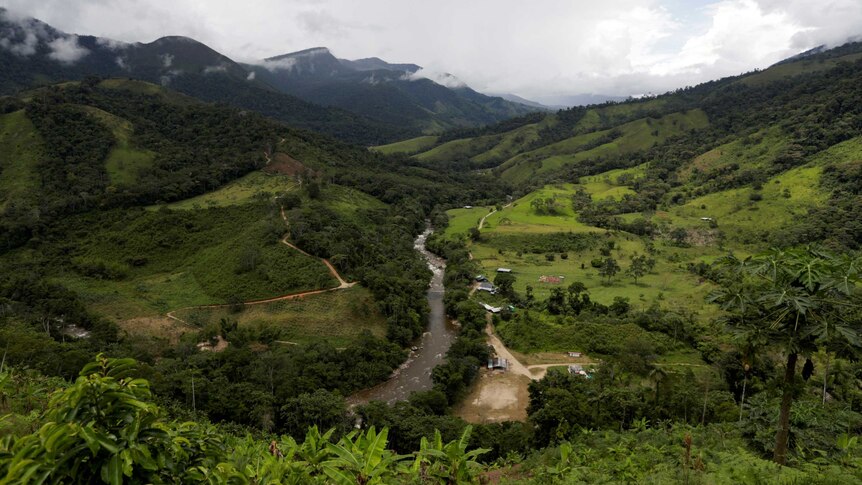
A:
160	327
284	164
497	396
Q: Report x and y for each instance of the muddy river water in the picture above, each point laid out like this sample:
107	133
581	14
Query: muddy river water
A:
415	373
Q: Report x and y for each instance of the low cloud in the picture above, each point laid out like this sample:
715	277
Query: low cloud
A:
23	35
167	60
250	76
215	69
66	49
27	47
441	78
114	45
286	64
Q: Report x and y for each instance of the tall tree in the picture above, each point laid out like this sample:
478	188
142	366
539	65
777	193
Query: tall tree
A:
609	269
798	300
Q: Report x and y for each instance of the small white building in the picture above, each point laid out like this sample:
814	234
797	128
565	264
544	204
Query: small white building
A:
492	309
504	270
574	354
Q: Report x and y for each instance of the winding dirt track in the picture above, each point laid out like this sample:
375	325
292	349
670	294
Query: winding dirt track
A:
342	284
482	221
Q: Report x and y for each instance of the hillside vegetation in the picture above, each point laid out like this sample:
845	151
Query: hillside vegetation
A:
683	302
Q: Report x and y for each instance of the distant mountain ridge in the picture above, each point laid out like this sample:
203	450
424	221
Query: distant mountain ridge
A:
367	101
394	93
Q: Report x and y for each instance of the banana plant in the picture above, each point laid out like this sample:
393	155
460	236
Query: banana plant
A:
362	459
450	463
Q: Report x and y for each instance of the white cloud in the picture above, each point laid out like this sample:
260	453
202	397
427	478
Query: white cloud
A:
529	48
167	60
285	64
26	47
442	78
251	76
114	45
66	49
213	69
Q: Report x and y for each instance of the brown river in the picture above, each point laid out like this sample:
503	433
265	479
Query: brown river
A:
415	373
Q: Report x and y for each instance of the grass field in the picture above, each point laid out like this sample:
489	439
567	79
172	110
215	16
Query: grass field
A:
163	260
634	136
20	145
411	146
255	186
756	151
669	284
460	149
460	220
785	197
780	71
510	143
124	162
337	317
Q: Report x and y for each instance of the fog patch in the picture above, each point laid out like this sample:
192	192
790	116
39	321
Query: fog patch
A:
286	64
114	45
250	76
215	69
24	34
441	78
66	49
167	60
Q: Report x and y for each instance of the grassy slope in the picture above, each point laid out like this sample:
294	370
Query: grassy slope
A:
753	152
260	186
636	135
191	258
412	145
20	145
510	144
124	162
745	224
748	222
338	317
253	186
780	71
462	148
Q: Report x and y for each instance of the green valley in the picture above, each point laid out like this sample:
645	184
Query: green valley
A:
195	287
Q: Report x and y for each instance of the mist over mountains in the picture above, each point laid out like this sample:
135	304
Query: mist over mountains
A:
365	100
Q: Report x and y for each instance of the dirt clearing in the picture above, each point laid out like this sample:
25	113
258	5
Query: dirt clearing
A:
497	396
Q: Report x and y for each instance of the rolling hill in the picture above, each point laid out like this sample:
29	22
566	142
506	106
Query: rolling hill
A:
711	120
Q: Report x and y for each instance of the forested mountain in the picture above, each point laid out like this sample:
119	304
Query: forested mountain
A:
389	92
34	53
367	101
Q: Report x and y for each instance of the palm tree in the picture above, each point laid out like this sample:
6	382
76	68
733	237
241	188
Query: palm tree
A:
796	300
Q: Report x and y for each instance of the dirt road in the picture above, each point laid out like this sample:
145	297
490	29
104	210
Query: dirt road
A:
502	395
482	221
342	284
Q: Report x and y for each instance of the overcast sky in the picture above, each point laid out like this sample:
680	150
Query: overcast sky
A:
534	48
